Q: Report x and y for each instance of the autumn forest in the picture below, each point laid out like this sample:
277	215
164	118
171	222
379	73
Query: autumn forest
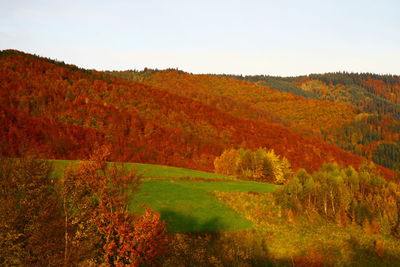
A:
305	169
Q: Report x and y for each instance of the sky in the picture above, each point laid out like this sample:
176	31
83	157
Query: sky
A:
281	37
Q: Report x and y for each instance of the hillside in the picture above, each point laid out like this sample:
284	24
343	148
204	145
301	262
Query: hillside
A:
374	131
249	100
59	111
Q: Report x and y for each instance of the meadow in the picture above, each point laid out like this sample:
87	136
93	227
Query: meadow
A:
184	197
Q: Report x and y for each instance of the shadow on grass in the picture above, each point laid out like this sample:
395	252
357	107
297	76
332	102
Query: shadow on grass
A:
179	223
373	254
195	243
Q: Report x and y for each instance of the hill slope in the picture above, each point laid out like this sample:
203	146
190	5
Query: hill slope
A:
249	100
60	111
375	131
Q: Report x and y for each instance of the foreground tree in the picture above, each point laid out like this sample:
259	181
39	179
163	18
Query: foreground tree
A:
96	209
30	214
81	220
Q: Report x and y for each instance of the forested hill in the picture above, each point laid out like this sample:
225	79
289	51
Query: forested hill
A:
380	93
375	98
54	110
357	112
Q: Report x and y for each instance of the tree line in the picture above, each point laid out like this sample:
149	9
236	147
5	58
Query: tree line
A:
344	195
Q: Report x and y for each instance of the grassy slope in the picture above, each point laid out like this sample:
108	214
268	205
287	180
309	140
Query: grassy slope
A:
186	205
189	206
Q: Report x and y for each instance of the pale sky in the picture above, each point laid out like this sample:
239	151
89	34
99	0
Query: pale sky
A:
279	37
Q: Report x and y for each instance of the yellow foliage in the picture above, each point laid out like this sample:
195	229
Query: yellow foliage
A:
260	165
280	167
227	163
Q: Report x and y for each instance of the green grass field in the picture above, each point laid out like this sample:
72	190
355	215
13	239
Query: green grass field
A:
186	205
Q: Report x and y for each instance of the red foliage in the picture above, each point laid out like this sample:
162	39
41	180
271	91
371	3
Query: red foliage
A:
128	240
21	134
58	111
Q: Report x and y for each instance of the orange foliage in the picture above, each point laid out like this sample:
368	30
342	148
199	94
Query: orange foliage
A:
59	111
253	101
390	92
127	240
